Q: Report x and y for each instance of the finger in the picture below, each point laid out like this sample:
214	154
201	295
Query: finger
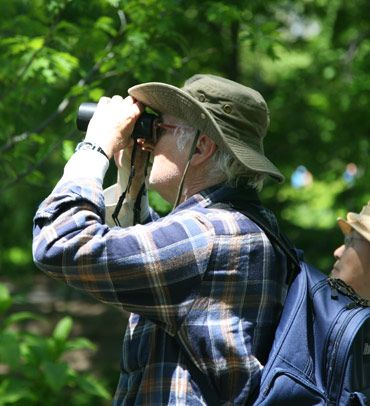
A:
147	148
130	100
145	145
117	98
138	108
104	100
135	107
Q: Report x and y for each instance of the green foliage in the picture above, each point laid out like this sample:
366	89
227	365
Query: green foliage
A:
32	368
309	58
158	204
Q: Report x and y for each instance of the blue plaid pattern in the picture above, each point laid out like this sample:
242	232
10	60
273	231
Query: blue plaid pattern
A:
208	276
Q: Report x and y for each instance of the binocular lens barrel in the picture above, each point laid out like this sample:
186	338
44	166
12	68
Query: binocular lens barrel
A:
84	115
143	126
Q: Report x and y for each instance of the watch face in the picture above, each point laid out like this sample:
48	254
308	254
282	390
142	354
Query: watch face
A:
84	145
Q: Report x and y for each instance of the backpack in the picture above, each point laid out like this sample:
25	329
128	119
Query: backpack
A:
321	351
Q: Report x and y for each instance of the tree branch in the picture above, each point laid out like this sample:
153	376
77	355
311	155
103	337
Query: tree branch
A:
351	53
64	104
36	165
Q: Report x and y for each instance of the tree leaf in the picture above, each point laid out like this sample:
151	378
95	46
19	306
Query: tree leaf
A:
63	329
79	344
68	149
13	390
20	316
92	386
35	349
5	299
56	374
9	348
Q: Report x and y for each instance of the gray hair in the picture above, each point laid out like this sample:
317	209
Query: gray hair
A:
224	164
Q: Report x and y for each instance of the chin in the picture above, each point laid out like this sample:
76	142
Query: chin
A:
334	273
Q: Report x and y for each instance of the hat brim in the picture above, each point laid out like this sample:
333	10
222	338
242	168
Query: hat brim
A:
344	226
354	223
168	99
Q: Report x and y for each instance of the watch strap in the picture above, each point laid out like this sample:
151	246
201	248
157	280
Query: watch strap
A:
90	145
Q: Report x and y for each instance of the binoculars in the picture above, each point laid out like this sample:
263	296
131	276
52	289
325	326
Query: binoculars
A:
144	125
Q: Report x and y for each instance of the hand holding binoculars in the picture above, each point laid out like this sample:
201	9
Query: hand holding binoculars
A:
144	125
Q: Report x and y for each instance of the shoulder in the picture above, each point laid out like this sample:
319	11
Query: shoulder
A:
190	218
226	220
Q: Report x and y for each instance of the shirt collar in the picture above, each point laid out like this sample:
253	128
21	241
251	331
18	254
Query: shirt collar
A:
220	193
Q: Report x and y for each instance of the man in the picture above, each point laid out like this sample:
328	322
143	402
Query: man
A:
204	285
353	257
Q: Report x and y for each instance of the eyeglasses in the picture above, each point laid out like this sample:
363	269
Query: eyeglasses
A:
159	125
348	240
170	126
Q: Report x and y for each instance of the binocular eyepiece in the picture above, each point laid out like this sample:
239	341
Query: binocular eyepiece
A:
144	125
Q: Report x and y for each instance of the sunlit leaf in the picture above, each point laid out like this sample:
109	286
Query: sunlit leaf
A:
68	149
79	344
63	329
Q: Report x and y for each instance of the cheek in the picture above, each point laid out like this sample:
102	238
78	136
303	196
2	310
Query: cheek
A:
163	169
163	162
166	156
351	269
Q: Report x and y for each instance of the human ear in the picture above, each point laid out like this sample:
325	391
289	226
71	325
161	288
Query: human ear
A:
204	150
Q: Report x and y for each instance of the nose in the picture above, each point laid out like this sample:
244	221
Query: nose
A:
339	252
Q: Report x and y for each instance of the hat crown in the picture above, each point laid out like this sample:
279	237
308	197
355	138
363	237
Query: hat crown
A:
366	211
239	110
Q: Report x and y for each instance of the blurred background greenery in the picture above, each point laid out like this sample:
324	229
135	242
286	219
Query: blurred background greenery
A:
309	58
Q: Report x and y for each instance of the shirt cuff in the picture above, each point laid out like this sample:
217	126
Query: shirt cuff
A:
85	164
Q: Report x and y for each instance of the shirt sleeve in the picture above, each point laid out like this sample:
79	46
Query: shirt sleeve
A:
154	270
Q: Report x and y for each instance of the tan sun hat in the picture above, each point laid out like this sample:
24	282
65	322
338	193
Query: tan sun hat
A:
236	117
359	222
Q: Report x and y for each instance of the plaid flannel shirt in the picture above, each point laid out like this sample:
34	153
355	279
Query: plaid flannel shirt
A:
207	276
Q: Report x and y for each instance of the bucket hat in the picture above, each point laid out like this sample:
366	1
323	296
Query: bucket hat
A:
236	117
359	222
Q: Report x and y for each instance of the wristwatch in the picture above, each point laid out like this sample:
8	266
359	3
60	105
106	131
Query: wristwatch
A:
90	145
